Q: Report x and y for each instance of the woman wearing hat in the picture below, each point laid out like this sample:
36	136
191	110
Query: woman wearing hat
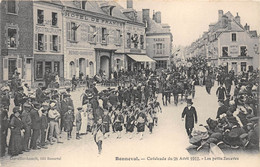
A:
16	125
191	115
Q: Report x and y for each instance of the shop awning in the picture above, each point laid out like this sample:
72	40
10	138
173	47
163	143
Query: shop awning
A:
141	58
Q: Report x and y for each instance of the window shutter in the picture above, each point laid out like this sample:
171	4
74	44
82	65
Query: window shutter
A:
19	65
154	48
45	42
59	44
87	63
107	36
51	44
36	41
5	69
163	48
68	31
89	35
100	35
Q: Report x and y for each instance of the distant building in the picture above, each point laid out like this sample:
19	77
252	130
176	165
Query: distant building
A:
229	44
158	39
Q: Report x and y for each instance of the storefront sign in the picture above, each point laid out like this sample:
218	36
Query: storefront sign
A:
81	53
234	51
158	39
51	30
90	18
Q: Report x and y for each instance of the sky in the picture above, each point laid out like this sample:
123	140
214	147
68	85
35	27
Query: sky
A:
189	19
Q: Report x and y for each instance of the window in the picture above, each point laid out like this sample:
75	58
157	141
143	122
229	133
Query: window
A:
243	66
92	34
55	43
104	35
11	6
234	37
118	37
57	67
40	42
40	16
54	19
128	40
141	42
135	40
161	64
225	51
243	51
83	4
159	48
74	28
12	38
39	70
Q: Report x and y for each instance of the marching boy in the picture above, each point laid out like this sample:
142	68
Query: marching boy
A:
150	120
69	119
106	123
78	122
118	123
130	119
98	135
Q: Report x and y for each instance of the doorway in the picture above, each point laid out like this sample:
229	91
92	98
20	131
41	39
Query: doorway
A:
104	65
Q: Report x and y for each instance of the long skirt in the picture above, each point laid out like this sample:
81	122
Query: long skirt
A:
84	123
15	144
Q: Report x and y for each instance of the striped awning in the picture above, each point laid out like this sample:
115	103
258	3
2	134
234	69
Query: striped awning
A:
141	58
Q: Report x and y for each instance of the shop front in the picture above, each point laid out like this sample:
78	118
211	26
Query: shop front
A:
137	62
47	65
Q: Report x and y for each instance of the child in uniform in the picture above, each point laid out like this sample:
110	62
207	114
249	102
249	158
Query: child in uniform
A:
69	119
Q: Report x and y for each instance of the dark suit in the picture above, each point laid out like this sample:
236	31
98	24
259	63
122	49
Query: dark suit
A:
191	115
36	126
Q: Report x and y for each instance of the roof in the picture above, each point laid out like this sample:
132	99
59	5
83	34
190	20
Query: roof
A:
253	33
95	7
157	27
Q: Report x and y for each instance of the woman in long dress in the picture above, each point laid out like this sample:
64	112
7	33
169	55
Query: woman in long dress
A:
84	119
16	125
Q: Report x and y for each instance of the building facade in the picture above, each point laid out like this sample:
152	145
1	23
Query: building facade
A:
16	39
47	40
158	40
229	44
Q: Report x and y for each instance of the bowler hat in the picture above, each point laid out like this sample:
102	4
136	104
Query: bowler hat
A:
189	101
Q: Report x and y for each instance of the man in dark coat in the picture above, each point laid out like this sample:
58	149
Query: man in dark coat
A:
27	122
221	92
40	97
191	115
65	103
36	125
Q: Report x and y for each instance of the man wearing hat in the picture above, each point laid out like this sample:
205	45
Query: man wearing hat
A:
65	103
54	117
27	121
190	115
221	92
19	98
40	96
5	98
3	128
36	125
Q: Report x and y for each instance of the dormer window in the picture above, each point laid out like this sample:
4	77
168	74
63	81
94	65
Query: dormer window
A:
107	8
83	4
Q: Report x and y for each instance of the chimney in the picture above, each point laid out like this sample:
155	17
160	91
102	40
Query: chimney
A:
146	15
224	21
129	4
247	27
220	14
158	17
237	18
229	24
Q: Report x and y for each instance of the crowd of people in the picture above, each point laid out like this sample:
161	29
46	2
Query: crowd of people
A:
38	119
236	126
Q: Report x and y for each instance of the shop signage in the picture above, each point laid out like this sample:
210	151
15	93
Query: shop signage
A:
50	30
158	39
81	53
234	51
90	18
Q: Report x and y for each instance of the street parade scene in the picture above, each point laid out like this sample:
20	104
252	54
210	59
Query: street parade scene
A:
200	101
